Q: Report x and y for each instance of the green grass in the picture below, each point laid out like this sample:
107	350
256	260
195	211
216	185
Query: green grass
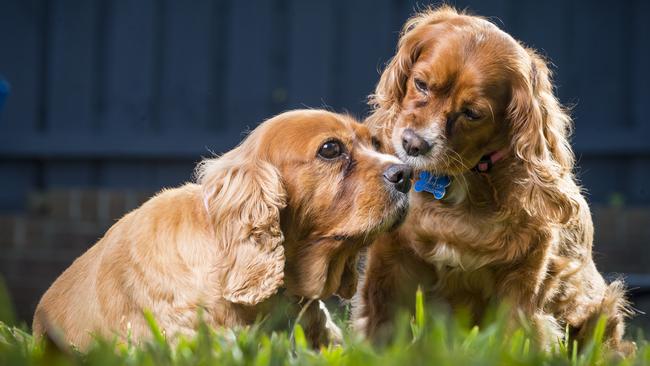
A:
426	338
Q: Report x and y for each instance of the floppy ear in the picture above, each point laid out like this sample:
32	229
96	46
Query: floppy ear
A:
243	200
391	88
392	84
540	129
349	278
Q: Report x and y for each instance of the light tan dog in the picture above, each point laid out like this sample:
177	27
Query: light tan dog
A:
463	99
290	207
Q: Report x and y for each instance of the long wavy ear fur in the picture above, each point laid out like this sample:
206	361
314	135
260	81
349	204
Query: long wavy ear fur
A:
540	129
391	88
243	198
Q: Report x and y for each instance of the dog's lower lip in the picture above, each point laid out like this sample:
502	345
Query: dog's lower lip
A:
400	217
399	211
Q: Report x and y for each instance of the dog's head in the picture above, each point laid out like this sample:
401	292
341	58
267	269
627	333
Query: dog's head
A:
297	201
458	89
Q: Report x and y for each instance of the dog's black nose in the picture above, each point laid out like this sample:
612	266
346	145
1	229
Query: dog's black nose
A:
414	144
399	175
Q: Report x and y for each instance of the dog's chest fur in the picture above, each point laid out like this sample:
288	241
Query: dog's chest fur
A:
448	236
445	256
466	245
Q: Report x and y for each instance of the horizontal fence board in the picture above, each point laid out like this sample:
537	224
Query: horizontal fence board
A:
638	181
127	175
172	174
145	175
18	179
119	145
66	174
615	180
116	146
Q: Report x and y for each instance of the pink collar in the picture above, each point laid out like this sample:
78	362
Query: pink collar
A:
485	164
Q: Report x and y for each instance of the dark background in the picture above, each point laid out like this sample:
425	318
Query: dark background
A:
112	100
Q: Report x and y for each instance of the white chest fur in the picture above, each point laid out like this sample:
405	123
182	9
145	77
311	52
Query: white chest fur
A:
444	255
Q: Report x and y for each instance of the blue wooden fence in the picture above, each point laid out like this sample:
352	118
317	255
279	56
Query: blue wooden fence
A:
123	93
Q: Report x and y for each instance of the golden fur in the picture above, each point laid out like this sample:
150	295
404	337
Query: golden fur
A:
269	214
521	233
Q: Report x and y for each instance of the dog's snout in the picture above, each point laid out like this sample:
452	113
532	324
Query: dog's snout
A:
414	144
399	175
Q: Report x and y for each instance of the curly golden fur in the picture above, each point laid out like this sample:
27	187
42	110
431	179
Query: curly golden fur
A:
270	214
521	233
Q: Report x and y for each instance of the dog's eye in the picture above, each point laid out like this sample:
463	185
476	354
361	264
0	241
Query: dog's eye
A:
330	150
471	115
421	86
376	144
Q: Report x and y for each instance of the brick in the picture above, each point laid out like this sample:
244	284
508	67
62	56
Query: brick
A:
37	271
88	205
57	204
76	238
135	199
32	233
103	205
116	205
55	235
27	280
37	204
6	233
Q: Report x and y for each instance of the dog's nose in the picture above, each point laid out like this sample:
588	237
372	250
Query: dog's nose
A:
399	175
414	144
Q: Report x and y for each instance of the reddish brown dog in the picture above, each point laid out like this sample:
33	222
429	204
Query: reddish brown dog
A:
458	92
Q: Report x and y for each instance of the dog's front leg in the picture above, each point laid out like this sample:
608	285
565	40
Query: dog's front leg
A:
320	329
389	284
374	306
523	289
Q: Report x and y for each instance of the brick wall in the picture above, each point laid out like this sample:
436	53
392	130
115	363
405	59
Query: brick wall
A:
58	226
37	246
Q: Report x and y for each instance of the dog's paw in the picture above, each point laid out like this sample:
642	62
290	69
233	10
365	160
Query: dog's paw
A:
334	333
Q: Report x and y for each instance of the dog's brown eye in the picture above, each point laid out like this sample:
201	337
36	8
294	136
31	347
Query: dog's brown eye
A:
471	115
375	143
421	86
330	150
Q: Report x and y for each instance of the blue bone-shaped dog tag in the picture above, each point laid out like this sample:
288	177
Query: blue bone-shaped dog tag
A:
436	185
